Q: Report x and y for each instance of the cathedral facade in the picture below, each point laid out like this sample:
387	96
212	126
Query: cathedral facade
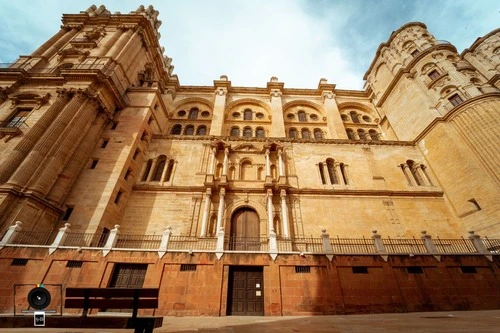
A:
318	201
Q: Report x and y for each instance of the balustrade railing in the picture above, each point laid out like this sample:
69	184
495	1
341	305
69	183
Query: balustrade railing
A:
165	242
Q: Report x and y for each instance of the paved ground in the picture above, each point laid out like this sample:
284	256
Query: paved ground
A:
417	322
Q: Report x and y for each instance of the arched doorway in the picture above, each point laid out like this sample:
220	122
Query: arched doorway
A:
245	230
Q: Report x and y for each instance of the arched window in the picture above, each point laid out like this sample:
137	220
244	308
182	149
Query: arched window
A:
160	166
247	132
354	117
259	132
361	134
414	172
247	114
302	115
193	113
235	131
189	130
305	133
292	133
232	172
260	172
330	166
202	130
350	134
344	117
246	170
321	173
218	171
373	135
343	170
274	172
170	168
318	134
147	169
177	129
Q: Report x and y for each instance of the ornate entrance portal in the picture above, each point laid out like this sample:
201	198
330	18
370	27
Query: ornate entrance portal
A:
245	230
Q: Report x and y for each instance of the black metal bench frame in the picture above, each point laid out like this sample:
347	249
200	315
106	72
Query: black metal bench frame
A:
115	298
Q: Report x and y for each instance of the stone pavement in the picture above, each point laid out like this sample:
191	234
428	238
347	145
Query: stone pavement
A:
416	322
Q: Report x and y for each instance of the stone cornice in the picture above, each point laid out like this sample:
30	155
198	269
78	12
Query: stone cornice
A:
454	112
478	42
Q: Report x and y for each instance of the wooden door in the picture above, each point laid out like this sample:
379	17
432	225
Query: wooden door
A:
246	291
245	231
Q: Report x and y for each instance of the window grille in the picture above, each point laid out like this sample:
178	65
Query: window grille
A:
360	270
188	267
19	262
74	264
302	269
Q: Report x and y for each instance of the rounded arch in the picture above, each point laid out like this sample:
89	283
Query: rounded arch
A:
193	100
248	102
302	102
347	106
447	90
253	204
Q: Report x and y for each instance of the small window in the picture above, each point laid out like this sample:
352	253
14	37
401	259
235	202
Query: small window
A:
188	267
414	270
302	269
455	99
136	153
360	270
128	174
354	117
193	113
118	197
344	117
67	213
150	120
162	161
202	130
367	119
350	134
292	133
373	135
93	165
144	136
434	74
468	269
259	115
235	131
176	130
147	169
247	132
236	114
170	167
104	143
314	117
361	134
189	130
18	119
205	114
305	134
290	116
181	113
247	114
74	264
19	262
415	53
302	116
318	134
259	132
114	125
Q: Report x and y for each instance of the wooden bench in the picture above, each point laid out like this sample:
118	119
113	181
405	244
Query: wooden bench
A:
113	298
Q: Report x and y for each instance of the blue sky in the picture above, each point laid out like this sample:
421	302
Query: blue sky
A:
299	41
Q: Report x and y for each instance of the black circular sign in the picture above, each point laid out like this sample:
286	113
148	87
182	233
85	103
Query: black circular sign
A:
39	298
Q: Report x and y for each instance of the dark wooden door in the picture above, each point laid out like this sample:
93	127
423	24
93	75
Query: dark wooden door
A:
246	291
245	231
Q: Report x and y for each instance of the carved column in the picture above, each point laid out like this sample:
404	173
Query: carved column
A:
212	161
268	163
221	88
120	44
69	174
10	163
278	123
284	214
281	163
338	171
270	213
64	147
51	50
226	164
326	174
408	174
347	175
425	181
206	212
220	211
47	141
152	170
111	41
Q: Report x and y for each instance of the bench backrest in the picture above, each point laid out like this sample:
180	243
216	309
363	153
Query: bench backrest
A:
112	298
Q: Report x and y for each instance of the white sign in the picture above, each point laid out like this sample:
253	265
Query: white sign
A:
39	318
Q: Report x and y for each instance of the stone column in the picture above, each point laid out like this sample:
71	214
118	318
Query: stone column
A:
270	213
408	174
10	234
335	123
51	50
50	42
422	175
111	41
69	174
65	147
219	108
326	174
338	171
220	211
206	212
284	214
278	123
152	170
268	163
10	163
226	162
281	164
120	44
213	152
47	141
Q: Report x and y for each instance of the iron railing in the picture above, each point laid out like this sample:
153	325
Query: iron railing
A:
148	242
352	245
492	245
20	124
404	245
25	237
85	240
248	244
192	243
454	245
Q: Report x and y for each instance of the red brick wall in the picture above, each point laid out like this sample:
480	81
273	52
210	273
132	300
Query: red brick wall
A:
331	287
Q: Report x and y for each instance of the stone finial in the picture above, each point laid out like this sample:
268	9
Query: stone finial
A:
423	232
223	77
323	81
274	79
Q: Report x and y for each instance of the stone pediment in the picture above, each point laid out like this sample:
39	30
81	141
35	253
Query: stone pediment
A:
247	148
